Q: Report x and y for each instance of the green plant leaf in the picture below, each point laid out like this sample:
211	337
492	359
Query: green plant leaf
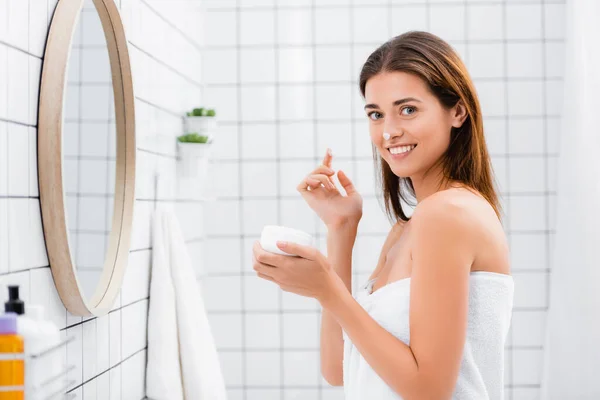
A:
198	112
210	113
192	138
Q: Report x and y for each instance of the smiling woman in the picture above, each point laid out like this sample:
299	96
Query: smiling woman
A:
419	92
432	320
451	302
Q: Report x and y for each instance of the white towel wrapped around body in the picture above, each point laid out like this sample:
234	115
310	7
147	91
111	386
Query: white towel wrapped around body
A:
481	375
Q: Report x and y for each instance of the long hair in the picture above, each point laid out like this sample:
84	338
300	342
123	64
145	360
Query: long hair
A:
466	160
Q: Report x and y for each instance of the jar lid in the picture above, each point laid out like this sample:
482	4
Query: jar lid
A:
285	233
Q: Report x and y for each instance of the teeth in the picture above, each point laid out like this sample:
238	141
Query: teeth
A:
401	149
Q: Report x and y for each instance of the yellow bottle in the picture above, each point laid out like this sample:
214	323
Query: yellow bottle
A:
12	362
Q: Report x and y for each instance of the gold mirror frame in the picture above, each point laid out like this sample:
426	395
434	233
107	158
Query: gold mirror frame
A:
50	161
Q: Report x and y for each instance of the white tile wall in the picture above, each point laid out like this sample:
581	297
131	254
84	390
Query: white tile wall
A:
283	75
109	352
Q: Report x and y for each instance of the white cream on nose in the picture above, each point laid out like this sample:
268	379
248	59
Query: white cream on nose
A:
386	136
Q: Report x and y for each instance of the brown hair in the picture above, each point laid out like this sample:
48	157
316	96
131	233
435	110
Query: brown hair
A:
466	160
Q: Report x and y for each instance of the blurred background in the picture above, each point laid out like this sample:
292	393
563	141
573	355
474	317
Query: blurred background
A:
282	76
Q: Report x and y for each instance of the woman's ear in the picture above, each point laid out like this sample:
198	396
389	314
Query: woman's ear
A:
459	114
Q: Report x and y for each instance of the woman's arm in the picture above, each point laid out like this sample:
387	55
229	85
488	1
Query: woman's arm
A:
340	241
442	254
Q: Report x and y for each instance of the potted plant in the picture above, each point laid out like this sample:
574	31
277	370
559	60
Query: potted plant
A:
202	121
194	152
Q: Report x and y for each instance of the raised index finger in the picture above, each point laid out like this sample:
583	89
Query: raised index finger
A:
328	157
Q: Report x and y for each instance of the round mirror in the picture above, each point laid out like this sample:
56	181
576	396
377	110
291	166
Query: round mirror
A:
86	153
89	149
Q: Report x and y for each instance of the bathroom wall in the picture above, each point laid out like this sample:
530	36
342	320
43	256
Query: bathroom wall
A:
283	77
109	353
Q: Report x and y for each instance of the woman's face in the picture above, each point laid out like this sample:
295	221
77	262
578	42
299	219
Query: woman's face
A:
401	105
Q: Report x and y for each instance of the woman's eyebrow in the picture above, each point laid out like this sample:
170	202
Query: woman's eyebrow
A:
396	103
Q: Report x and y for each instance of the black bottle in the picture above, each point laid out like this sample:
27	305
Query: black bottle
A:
14	304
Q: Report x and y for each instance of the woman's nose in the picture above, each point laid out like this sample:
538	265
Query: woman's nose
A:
392	127
392	131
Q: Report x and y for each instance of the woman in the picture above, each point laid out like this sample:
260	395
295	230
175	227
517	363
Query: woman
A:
432	321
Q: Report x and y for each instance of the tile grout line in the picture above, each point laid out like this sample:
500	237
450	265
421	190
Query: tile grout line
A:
510	360
110	368
316	349
494	117
363	234
78	24
518	271
172	25
313	85
17	48
545	151
312	310
8	235
28	129
375	44
352	81
288	161
240	205
108	160
382	4
278	140
164	64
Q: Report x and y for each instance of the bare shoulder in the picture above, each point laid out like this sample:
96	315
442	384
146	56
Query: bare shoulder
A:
460	211
468	216
453	205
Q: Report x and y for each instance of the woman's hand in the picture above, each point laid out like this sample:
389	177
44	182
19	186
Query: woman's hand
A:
319	191
310	274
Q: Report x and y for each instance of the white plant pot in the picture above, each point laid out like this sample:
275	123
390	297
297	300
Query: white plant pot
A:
193	159
204	126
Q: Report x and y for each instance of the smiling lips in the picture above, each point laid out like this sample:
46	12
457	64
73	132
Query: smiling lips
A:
401	150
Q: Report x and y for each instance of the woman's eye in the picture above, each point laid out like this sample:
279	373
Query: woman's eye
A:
373	113
411	110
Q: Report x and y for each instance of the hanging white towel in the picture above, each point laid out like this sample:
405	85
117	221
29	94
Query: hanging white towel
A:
163	373
201	370
183	362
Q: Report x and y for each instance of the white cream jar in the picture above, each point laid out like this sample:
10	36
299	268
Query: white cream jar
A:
271	234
